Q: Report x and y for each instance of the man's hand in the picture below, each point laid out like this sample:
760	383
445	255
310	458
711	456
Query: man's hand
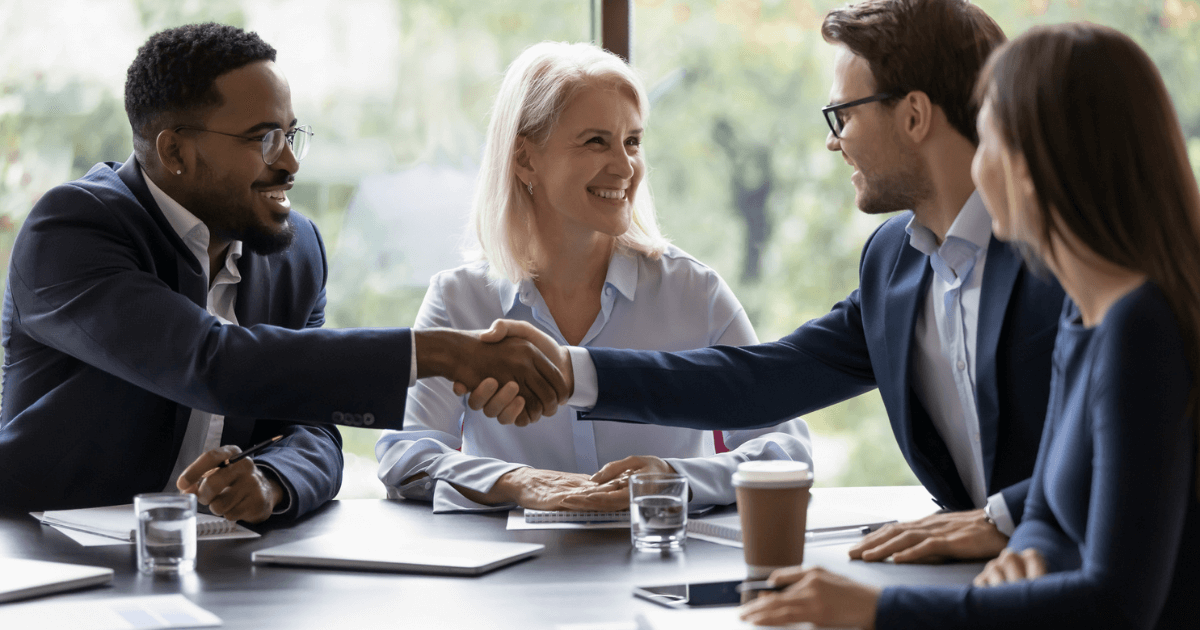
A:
534	386
631	466
539	490
1010	566
933	539
498	402
817	596
239	492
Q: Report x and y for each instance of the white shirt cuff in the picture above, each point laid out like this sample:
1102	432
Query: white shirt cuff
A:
412	365
997	509
586	382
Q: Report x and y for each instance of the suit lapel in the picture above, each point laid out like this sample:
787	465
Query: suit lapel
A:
999	276
187	275
905	293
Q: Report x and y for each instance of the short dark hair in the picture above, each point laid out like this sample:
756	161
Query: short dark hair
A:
175	70
935	46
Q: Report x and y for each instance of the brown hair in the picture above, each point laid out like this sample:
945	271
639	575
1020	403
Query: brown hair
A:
1088	111
934	46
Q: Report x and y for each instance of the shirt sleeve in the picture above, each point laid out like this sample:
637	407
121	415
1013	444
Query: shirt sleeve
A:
432	436
709	477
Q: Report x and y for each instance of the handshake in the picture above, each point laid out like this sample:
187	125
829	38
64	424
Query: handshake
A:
514	372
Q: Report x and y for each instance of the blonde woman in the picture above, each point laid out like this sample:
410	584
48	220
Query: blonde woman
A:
569	242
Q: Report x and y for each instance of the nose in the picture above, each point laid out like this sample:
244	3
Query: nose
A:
287	160
624	163
832	142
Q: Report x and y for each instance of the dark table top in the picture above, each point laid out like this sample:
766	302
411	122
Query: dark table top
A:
582	576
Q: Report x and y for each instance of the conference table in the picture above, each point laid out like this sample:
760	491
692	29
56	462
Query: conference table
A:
582	577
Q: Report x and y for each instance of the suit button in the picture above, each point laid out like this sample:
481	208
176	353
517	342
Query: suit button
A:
337	417
368	419
355	419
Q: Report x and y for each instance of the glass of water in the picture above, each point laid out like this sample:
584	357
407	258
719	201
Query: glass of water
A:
166	532
658	510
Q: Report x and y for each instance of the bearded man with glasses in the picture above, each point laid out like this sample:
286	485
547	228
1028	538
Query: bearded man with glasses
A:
163	314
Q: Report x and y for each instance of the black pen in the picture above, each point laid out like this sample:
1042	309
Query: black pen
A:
240	456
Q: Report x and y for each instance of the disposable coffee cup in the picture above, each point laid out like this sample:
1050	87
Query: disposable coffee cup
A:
772	500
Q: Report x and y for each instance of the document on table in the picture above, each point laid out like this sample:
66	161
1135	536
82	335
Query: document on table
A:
151	612
88	539
724	618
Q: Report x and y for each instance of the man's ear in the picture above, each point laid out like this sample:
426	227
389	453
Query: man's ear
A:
171	153
914	114
523	161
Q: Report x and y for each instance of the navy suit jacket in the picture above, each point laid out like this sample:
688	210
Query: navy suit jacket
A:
108	346
866	341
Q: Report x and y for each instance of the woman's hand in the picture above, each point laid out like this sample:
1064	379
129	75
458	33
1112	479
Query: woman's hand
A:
815	596
1011	566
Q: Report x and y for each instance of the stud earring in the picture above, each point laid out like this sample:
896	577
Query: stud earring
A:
179	172
529	186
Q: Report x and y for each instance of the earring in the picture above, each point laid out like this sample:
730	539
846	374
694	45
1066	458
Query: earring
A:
529	186
179	172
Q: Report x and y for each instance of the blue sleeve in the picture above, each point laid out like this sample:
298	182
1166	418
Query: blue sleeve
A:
821	363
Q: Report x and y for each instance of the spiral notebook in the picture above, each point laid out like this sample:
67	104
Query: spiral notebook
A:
120	522
573	516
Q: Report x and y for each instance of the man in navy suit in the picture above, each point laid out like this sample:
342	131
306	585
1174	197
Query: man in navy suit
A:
163	314
947	322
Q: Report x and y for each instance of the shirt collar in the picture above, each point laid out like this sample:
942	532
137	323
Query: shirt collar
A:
191	230
970	232
622	276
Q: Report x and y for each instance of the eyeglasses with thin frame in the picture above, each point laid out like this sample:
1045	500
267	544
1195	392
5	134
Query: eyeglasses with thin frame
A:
297	138
835	120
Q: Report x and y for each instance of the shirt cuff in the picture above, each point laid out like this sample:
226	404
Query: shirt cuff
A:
997	510
412	364
586	382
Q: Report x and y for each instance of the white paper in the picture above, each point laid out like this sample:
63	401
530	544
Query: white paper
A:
516	521
604	625
724	618
93	540
118	613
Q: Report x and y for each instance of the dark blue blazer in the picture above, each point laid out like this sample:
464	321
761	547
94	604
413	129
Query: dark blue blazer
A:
866	341
108	346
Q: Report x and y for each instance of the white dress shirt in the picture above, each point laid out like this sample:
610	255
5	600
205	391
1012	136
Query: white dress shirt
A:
674	303
945	334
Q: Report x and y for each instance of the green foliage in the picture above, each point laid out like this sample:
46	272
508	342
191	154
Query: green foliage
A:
736	87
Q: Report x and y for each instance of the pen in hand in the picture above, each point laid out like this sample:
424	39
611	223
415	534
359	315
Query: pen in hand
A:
240	456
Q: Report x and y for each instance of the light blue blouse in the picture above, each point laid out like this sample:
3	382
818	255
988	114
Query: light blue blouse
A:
673	303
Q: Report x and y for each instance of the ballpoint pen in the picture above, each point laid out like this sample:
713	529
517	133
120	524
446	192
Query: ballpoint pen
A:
240	456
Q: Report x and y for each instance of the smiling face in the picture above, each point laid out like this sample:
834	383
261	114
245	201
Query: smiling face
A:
587	175
889	175
234	192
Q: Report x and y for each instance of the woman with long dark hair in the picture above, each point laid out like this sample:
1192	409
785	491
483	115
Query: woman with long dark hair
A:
1082	163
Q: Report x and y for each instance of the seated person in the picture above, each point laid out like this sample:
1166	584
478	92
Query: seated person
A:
1082	161
569	243
164	313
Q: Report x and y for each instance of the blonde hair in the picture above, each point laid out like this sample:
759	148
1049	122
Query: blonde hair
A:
538	86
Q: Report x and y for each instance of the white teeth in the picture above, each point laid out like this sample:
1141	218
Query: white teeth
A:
277	195
608	193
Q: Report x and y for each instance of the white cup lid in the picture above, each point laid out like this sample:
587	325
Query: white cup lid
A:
774	471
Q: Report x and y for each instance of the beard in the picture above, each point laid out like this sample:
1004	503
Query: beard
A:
232	217
902	188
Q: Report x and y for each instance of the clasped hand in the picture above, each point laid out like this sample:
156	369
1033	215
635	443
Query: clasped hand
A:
525	396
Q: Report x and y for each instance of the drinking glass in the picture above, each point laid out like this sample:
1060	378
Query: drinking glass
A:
658	510
166	532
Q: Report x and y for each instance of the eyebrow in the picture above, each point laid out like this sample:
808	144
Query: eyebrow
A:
602	132
267	126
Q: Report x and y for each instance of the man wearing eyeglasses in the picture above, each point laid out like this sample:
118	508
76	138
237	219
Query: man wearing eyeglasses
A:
947	322
163	314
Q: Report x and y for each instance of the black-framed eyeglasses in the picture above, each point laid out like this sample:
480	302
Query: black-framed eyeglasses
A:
273	142
834	119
